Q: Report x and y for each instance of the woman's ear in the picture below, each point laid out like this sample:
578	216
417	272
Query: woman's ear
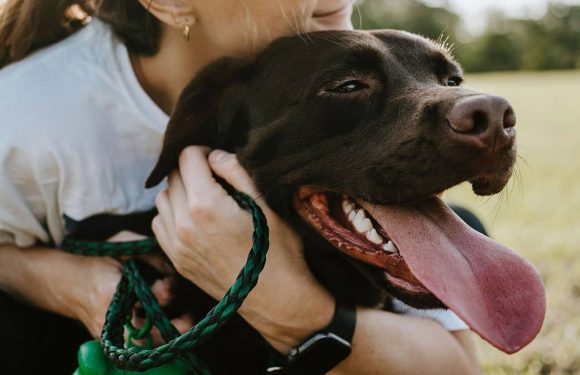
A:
205	114
174	13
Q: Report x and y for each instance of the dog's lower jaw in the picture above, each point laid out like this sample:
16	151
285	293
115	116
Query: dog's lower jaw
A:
350	280
367	250
490	183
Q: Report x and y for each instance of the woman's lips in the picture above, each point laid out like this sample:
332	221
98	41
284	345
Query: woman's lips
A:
341	12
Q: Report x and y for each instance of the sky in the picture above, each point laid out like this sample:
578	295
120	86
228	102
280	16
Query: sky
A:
473	11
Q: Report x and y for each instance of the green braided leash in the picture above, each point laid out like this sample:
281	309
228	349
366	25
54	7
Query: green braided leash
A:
110	249
133	288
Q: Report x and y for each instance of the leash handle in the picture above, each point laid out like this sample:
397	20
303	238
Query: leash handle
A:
132	287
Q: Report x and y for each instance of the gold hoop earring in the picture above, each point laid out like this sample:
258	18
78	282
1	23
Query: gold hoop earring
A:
187	31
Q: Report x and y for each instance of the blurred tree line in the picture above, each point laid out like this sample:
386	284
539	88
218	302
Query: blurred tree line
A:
552	42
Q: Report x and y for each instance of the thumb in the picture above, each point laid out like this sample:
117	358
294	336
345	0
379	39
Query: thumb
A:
227	166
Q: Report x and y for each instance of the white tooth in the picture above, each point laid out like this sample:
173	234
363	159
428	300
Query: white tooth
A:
390	247
365	226
361	213
347	206
358	222
351	216
374	237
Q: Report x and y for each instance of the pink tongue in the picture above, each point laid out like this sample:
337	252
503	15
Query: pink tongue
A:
496	292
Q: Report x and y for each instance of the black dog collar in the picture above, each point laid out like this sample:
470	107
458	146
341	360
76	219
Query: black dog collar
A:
322	351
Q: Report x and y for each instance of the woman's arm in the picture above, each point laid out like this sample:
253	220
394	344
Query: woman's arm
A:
78	287
73	286
389	343
207	237
398	344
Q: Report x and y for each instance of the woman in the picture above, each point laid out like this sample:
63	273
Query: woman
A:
83	119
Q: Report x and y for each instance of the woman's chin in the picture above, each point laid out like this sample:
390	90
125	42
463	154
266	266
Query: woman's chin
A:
319	25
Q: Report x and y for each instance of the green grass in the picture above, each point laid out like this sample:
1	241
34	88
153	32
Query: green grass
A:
538	214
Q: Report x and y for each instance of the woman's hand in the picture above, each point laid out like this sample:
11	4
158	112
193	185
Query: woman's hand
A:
94	291
207	236
98	283
78	287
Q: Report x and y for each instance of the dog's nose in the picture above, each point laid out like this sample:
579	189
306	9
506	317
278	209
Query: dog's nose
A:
487	121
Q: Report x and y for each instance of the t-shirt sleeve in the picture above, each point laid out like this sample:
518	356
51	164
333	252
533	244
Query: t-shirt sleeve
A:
22	198
445	317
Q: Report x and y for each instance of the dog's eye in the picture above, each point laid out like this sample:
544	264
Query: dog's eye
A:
454	81
350	86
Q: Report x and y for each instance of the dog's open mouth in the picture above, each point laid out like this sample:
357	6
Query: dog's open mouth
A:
355	232
428	255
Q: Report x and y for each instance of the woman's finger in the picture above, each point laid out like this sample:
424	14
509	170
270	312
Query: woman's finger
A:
139	322
204	210
159	262
183	323
162	290
226	165
200	185
178	198
163	223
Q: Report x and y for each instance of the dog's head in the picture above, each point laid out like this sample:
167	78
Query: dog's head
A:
354	134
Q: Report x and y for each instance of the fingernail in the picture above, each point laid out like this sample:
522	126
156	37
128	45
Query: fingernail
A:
217	156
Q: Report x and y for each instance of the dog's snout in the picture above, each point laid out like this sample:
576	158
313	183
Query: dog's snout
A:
484	120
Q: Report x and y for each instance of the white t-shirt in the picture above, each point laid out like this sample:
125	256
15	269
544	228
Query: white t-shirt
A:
78	137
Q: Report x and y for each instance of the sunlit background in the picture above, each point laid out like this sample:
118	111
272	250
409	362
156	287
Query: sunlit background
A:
474	13
529	52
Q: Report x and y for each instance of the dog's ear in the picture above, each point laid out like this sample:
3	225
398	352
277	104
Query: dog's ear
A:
204	114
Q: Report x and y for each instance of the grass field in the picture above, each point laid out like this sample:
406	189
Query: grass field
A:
538	214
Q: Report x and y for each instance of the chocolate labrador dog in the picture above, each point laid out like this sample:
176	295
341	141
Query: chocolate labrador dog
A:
350	136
